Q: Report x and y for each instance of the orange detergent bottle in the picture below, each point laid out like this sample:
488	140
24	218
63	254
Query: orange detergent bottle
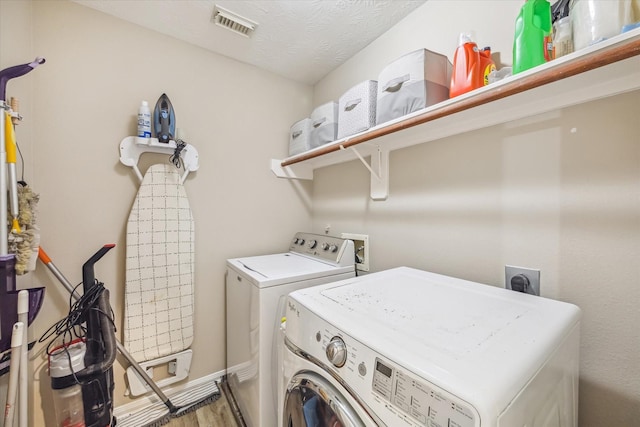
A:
471	67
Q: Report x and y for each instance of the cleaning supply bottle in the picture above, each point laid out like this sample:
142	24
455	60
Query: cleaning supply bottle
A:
533	30
471	66
144	120
486	65
466	62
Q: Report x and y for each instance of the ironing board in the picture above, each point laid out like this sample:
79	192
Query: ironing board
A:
159	293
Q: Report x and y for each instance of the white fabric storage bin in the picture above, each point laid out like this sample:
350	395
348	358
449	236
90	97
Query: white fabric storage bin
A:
357	109
414	81
324	124
300	137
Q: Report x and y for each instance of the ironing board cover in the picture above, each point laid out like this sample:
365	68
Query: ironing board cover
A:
159	289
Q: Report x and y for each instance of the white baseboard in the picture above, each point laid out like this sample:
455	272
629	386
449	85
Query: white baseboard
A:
144	410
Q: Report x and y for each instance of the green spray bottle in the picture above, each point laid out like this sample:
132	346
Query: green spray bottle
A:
533	28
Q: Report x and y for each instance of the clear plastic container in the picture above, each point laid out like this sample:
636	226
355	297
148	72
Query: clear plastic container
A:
64	360
597	20
562	37
497	75
69	407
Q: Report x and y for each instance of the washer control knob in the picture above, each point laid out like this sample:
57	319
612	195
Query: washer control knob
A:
362	369
295	240
337	352
325	246
312	244
301	241
333	248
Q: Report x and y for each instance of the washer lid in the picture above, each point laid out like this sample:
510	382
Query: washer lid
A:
276	269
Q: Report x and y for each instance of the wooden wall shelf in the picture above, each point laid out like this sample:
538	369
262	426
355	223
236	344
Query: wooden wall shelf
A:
606	69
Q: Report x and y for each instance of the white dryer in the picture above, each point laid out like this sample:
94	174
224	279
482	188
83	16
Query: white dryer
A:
405	347
255	289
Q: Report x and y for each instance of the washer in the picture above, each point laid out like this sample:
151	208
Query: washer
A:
406	347
256	287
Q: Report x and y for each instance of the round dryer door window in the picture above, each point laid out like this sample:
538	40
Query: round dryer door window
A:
311	401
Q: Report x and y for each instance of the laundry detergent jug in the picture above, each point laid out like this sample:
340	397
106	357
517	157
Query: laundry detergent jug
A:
471	66
532	35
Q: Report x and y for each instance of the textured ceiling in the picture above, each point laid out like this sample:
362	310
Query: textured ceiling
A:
299	39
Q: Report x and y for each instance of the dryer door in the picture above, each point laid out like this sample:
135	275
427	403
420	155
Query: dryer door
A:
312	401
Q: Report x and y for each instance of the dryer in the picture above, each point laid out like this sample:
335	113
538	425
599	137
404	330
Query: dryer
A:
413	348
256	288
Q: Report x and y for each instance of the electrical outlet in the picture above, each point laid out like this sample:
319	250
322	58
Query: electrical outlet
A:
527	280
361	247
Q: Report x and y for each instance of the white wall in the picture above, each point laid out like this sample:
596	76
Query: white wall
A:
530	193
84	102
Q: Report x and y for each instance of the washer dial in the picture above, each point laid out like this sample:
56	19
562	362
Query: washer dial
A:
337	352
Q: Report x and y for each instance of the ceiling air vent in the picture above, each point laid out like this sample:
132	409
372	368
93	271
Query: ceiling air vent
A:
233	21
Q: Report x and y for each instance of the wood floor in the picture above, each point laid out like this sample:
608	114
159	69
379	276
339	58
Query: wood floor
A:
216	414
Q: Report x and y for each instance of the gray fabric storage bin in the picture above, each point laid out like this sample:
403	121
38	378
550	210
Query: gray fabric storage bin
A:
324	124
300	137
357	109
412	82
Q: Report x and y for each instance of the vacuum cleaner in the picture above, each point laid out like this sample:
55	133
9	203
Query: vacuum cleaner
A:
81	368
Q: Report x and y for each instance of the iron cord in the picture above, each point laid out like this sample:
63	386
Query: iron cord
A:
175	157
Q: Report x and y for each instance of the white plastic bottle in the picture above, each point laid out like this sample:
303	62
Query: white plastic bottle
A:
144	120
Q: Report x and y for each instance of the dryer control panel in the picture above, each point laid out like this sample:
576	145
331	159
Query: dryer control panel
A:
425	404
325	248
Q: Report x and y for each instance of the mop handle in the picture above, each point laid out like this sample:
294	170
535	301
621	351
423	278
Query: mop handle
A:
14	104
42	256
16	349
10	147
23	316
16	71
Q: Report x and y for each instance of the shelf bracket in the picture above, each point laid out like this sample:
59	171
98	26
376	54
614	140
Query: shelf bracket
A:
379	170
297	171
132	147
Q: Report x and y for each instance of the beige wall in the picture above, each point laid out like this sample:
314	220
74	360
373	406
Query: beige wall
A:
85	100
530	193
490	21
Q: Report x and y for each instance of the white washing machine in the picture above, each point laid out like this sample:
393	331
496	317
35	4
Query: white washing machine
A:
405	347
256	287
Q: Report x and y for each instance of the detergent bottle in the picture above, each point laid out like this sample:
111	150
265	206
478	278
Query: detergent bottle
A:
532	34
471	66
486	65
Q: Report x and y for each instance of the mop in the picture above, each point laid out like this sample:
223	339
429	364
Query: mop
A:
23	305
24	236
